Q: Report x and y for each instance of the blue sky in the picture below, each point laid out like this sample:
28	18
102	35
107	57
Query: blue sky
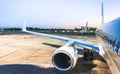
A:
56	13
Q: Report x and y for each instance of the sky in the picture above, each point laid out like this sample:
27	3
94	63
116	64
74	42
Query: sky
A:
56	13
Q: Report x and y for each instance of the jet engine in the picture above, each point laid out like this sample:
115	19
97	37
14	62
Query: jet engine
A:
65	58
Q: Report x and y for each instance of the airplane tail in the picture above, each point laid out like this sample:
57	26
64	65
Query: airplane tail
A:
24	26
86	24
102	13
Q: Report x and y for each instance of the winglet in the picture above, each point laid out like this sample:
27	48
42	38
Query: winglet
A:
24	26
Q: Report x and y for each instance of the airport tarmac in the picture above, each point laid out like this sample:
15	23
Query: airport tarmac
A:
30	54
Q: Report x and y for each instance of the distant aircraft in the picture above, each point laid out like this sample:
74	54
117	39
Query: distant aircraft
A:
86	29
65	57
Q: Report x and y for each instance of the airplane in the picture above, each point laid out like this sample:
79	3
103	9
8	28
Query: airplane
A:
85	29
65	57
110	32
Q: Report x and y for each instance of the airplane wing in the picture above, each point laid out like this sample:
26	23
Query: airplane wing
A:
65	39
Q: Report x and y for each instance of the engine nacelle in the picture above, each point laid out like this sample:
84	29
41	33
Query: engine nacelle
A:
65	58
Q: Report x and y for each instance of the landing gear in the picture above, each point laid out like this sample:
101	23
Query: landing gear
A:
88	55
